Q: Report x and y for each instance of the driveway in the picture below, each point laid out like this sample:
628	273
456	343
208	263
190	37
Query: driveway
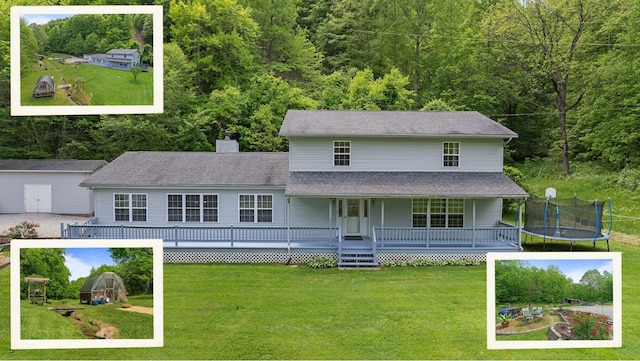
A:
599	309
49	223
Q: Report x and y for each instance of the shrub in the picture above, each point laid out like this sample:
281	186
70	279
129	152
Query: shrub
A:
629	178
432	262
24	229
589	326
322	262
519	178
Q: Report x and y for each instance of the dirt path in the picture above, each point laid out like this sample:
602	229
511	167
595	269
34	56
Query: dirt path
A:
93	329
139	309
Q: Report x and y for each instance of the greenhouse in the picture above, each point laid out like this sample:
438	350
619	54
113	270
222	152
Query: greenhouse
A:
106	287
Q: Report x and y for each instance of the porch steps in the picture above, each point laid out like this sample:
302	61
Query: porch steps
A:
357	254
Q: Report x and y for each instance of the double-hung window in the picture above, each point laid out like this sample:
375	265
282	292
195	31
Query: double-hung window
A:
450	154
130	207
341	153
192	207
438	212
255	208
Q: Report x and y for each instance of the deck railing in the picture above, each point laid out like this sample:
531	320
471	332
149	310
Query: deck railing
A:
408	237
183	236
298	237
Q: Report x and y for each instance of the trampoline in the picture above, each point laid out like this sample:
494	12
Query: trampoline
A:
569	219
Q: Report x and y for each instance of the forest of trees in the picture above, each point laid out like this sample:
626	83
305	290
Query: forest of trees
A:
518	282
561	73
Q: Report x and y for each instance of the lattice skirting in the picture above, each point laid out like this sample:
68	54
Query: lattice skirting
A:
303	257
384	257
239	257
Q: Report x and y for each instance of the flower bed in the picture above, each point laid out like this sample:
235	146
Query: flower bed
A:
583	326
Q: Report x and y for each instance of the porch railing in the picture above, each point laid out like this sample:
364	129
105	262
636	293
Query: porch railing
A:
183	236
408	237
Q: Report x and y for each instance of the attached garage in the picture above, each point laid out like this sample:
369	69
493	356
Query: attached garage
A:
46	186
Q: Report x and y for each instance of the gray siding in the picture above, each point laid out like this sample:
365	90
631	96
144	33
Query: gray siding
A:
395	154
157	206
67	197
314	212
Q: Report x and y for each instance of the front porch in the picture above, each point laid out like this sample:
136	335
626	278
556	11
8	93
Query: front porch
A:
384	243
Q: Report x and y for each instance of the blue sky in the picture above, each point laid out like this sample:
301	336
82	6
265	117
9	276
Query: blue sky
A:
43	18
574	268
80	260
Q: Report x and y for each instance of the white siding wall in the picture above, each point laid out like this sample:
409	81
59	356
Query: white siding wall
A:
67	197
395	154
312	212
157	206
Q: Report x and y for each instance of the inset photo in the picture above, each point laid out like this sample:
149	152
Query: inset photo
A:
554	300
89	294
80	60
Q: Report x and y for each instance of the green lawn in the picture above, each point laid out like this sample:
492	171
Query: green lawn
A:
104	86
221	311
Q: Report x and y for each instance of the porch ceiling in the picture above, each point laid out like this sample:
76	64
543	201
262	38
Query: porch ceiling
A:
403	184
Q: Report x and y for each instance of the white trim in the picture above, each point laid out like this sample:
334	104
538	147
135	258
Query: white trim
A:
443	154
184	207
255	207
130	201
349	154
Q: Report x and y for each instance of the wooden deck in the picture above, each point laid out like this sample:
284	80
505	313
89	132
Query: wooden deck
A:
502	238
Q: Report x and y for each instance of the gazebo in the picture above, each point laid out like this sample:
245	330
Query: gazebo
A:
36	291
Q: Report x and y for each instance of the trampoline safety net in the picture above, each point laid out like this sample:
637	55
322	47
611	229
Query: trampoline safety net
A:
569	218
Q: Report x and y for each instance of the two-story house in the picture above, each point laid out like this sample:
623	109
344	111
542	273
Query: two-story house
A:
123	59
364	186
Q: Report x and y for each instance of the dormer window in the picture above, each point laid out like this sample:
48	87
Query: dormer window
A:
450	154
341	153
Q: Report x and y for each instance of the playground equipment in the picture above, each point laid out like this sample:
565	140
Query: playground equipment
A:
570	219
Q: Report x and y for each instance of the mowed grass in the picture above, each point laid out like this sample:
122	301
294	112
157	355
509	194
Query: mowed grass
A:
40	323
130	325
226	311
104	86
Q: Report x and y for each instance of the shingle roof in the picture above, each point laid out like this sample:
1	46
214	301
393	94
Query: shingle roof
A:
192	169
403	184
122	51
391	123
45	165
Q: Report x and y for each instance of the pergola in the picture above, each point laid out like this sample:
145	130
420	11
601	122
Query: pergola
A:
42	281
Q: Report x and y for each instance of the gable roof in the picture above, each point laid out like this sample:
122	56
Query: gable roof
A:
192	169
50	165
122	51
391	123
403	184
46	79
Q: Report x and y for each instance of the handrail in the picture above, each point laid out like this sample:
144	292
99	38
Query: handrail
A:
434	236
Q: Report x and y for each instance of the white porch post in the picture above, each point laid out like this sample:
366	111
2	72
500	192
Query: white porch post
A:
330	215
473	232
474	214
520	223
289	226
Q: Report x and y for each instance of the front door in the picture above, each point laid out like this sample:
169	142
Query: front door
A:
354	216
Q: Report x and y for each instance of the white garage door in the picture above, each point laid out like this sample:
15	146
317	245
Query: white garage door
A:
37	198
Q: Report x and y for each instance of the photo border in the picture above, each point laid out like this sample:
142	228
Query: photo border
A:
158	305
17	109
493	344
